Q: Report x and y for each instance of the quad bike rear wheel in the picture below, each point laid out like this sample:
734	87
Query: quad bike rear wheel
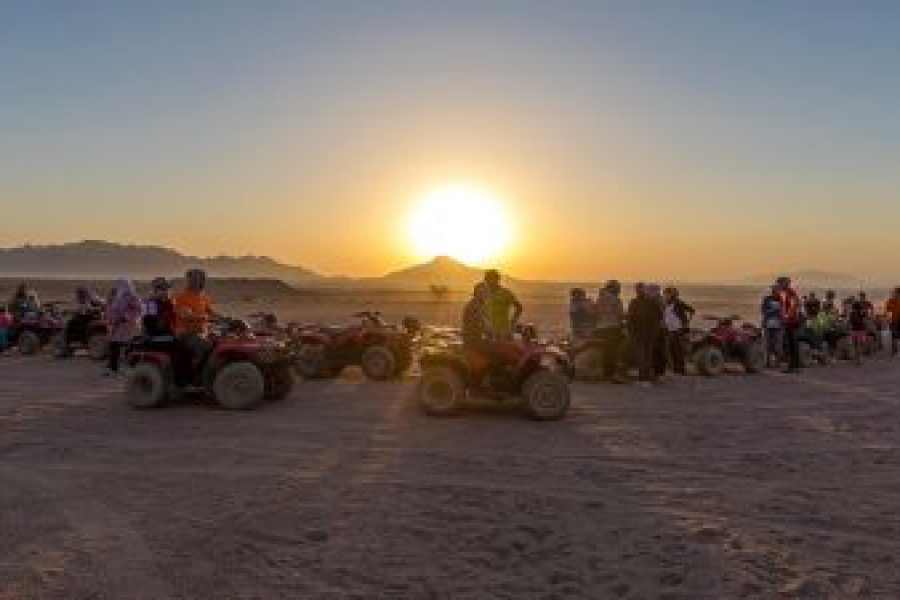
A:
709	360
442	391
588	364
280	383
98	346
844	349
147	386
378	363
755	358
546	395
29	343
239	386
311	364
59	345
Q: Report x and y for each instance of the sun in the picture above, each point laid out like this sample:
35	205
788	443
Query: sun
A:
462	221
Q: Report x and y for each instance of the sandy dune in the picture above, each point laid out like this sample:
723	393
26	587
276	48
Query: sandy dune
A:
738	487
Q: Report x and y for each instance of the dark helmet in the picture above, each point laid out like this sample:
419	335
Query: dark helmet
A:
613	286
196	279
578	293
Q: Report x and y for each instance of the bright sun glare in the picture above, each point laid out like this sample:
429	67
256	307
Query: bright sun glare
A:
465	222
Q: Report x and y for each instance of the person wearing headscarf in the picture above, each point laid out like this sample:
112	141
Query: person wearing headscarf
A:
123	316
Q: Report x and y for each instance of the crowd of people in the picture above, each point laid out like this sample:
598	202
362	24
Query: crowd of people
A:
184	314
657	322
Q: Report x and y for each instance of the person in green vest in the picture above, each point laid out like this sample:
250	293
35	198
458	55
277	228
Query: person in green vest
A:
503	308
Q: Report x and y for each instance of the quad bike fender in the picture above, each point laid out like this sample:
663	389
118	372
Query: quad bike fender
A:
160	359
548	360
457	363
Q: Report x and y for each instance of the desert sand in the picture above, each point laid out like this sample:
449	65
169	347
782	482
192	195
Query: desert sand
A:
764	486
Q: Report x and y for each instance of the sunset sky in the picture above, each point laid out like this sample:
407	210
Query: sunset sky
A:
673	139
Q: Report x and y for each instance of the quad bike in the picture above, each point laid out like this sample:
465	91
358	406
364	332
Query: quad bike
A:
520	372
727	342
383	351
92	334
239	371
34	331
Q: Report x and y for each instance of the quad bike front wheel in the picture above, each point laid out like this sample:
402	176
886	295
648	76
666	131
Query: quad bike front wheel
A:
311	364
378	363
442	392
546	395
147	386
239	386
709	360
588	364
755	358
98	346
29	343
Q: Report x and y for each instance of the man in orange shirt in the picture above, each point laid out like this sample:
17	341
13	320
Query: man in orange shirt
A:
193	309
892	308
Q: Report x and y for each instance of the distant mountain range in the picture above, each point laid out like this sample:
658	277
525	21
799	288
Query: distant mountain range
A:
809	279
93	259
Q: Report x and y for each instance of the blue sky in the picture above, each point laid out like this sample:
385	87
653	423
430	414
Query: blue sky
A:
740	136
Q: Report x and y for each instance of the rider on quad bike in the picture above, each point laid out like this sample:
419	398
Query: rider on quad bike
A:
498	368
86	327
228	364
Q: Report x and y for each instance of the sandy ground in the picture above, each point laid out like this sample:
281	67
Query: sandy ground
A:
763	486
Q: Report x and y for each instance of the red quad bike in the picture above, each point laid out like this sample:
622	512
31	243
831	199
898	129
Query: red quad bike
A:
383	351
92	334
525	373
727	342
239	371
35	331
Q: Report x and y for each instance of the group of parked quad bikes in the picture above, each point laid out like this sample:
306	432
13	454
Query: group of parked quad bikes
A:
249	363
731	341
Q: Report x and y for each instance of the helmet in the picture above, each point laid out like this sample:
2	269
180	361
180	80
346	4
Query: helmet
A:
160	284
196	279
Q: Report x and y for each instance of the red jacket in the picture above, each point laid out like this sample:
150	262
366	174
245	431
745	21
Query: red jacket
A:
790	308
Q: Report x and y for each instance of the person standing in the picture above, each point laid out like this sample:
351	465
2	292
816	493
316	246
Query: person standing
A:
660	358
582	314
503	308
892	309
792	319
610	315
644	320
6	323
677	318
123	316
773	326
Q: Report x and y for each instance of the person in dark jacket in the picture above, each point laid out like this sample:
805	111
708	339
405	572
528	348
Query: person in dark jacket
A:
610	316
159	310
677	317
582	314
644	322
792	320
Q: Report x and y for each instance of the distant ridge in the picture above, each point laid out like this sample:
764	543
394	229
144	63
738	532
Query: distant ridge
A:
93	259
809	278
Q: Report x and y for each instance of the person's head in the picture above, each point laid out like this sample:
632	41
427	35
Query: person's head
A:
124	288
195	279
897	292
812	296
830	295
613	287
21	290
577	294
783	283
82	294
160	286
640	290
671	293
492	279
862	296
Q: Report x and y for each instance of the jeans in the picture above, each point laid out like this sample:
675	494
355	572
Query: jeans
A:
644	351
115	352
676	341
793	347
610	343
774	344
